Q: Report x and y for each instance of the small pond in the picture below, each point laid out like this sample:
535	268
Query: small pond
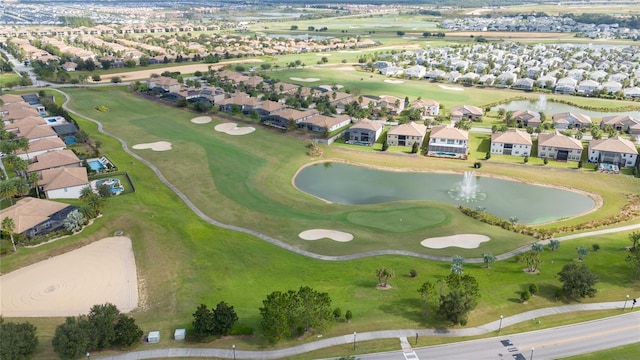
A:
354	185
552	107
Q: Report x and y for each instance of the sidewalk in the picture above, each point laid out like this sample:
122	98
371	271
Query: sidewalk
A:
372	335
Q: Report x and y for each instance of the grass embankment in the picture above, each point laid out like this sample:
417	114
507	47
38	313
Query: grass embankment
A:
183	261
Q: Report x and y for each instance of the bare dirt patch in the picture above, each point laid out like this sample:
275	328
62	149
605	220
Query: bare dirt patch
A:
71	283
201	120
465	241
155	146
317	234
233	129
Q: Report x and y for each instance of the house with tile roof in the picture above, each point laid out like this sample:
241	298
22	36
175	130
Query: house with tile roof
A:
268	107
527	118
286	117
40	147
466	112
322	123
63	183
626	123
427	107
407	134
163	83
560	147
34	216
54	159
615	150
571	120
511	142
364	132
449	142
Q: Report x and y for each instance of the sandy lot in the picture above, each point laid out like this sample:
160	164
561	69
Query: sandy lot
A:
465	241
233	129
155	146
184	69
305	79
69	284
317	234
450	88
201	120
391	81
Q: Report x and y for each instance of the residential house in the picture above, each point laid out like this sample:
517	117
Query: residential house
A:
268	107
427	107
406	134
392	71
524	84
526	118
588	87
163	84
570	120
633	92
65	130
54	159
546	82
63	183
448	141
560	147
287	117
566	85
511	142
612	87
322	123
69	66
40	147
34	216
466	112
395	105
614	150
364	132
16	111
36	132
626	123
416	71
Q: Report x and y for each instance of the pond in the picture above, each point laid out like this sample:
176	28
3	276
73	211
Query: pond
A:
552	107
354	185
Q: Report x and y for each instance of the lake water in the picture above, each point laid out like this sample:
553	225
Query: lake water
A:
551	107
354	185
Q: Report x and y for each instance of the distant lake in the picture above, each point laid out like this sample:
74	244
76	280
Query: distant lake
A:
355	185
552	107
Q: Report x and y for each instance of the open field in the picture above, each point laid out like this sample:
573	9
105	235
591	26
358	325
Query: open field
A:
627	352
6	78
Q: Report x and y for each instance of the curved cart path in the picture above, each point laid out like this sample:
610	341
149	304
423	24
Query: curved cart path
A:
296	250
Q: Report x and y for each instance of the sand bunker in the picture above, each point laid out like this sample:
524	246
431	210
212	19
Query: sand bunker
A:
305	79
345	68
330	87
70	284
350	51
465	241
233	129
450	88
317	234
201	120
155	146
391	81
323	54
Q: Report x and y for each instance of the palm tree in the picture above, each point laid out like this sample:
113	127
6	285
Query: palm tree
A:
33	178
8	190
9	226
21	185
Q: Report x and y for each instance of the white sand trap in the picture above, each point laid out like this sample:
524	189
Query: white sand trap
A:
70	284
450	88
345	68
201	120
155	146
233	129
350	51
323	54
391	81
305	79
330	87
465	241
317	234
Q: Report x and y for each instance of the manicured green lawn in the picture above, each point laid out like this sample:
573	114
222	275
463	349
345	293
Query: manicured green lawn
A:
183	261
627	352
10	77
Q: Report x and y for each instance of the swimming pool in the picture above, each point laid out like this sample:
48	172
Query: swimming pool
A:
70	140
114	185
95	165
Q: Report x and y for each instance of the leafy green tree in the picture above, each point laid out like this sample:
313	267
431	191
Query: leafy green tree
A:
127	332
578	281
633	259
415	147
203	322
314	308
384	274
348	316
488	259
533	289
72	339
103	319
9	226
427	292
532	259
276	315
460	296
337	313
525	296
19	340
385	145
582	252
224	317
92	200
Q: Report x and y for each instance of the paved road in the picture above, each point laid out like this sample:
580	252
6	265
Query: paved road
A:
589	334
19	67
